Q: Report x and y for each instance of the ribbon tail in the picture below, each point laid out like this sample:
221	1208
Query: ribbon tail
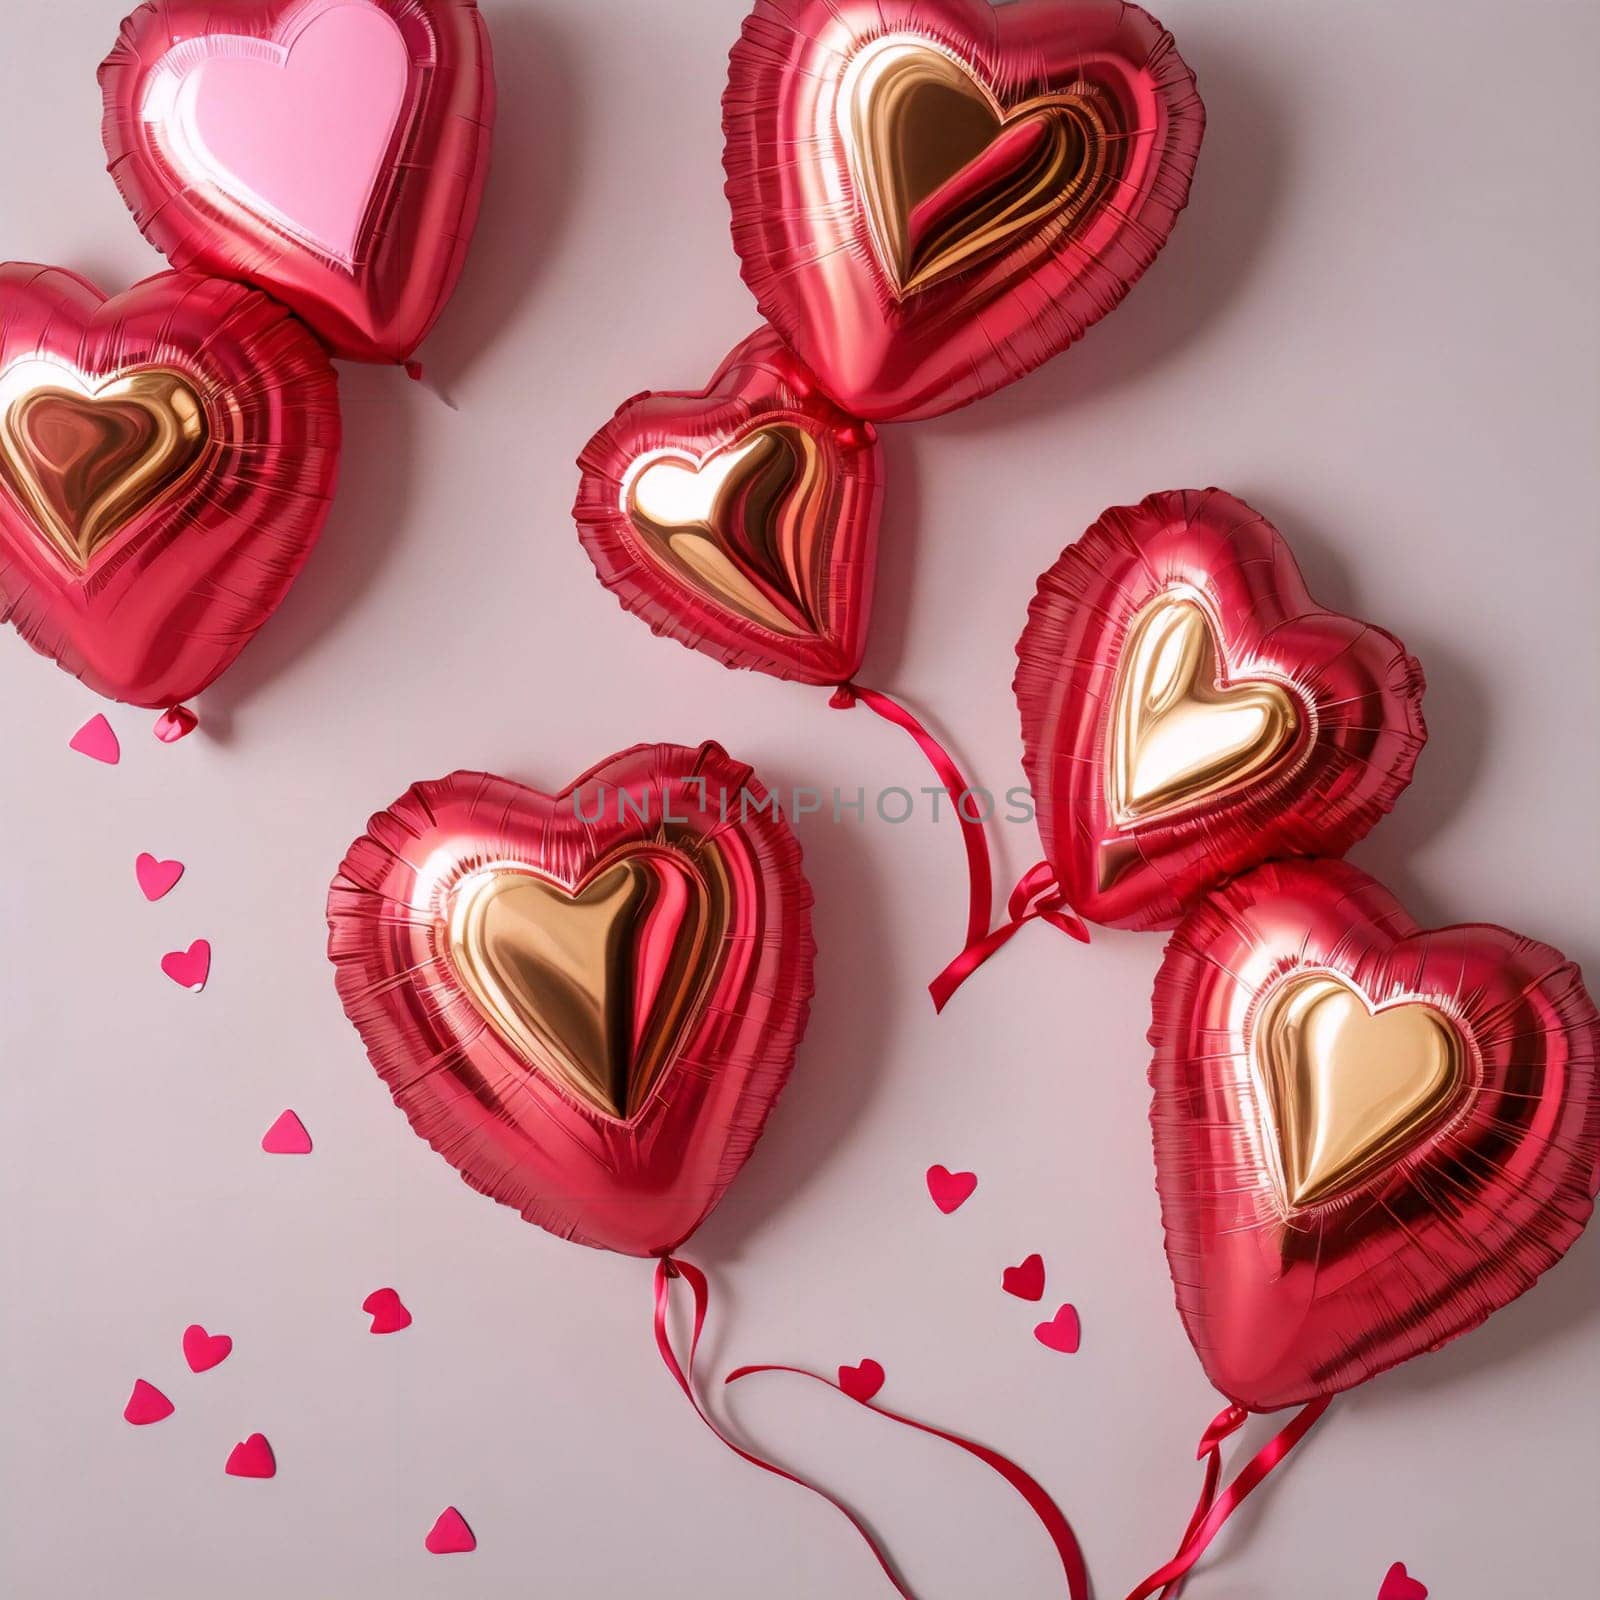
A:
668	1268
1039	1501
1210	1514
1035	896
980	877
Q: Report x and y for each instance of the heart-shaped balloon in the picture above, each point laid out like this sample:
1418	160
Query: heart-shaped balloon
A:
167	459
586	1002
333	152
741	520
1188	710
932	197
1368	1137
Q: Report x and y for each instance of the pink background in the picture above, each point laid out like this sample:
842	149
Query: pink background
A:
1377	323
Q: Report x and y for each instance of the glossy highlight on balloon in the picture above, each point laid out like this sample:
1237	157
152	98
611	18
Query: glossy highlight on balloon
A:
742	519
167	460
1368	1137
587	1002
332	152
932	197
1189	711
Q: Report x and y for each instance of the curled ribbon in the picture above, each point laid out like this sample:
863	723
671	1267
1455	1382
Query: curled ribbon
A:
1212	1509
980	878
1043	1507
1037	894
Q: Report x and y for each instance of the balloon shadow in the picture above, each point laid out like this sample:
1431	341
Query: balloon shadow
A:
369	505
1455	707
1241	175
835	1072
533	176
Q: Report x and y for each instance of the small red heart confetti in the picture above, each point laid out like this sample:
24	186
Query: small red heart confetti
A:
862	1382
287	1137
387	1310
175	724
156	878
98	741
146	1404
189	968
450	1535
950	1190
252	1459
1060	1332
1398	1585
1026	1281
203	1350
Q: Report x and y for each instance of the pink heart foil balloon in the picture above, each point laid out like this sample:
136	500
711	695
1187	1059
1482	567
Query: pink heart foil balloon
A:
1188	710
932	197
586	1002
1368	1136
167	460
333	152
742	519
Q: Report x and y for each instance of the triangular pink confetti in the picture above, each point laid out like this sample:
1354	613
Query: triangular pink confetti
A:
146	1404
287	1137
252	1458
450	1535
97	740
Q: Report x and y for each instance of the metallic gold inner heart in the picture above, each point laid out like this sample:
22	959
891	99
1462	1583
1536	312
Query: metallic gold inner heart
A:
1349	1088
592	986
947	175
84	460
746	525
1179	734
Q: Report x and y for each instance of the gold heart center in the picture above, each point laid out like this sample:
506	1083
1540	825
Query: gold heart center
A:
84	460
746	524
947	175
1348	1087
592	986
1180	735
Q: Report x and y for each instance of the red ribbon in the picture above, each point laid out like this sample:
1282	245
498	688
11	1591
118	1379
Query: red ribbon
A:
980	879
1036	895
1212	1509
1043	1507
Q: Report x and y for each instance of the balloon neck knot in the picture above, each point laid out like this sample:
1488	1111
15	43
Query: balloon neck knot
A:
413	370
844	697
1227	1421
669	1266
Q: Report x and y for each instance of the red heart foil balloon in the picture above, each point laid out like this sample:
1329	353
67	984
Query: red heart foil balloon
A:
932	197
167	459
1188	710
332	152
741	520
1367	1137
586	1002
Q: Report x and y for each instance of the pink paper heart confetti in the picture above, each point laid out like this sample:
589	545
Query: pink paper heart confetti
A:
146	1404
450	1535
287	1137
176	723
863	1381
1026	1280
950	1190
97	740
387	1310
1398	1584
203	1350
156	878
1061	1332
252	1458
190	968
